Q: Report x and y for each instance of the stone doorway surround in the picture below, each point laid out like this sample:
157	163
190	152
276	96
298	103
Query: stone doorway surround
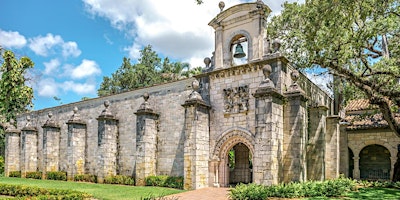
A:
219	169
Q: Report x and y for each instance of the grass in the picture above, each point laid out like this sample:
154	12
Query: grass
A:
99	191
371	193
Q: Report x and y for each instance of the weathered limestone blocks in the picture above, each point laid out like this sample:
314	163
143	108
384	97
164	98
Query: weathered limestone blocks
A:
269	132
332	147
12	144
294	159
146	141
51	146
316	143
107	144
76	146
196	146
29	149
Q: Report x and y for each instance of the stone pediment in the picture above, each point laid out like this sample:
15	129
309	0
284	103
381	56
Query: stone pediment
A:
239	12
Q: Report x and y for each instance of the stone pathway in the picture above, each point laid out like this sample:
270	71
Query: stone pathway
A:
201	194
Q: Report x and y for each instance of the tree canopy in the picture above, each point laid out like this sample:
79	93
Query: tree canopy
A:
149	70
15	96
356	40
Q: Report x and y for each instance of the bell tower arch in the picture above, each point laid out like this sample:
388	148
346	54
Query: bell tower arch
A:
241	27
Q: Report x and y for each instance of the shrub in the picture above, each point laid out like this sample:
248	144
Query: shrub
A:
396	185
61	176
329	188
16	174
40	193
119	179
251	191
34	175
85	178
165	181
1	165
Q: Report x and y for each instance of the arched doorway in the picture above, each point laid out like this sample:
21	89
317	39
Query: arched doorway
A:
235	145
240	164
351	163
375	163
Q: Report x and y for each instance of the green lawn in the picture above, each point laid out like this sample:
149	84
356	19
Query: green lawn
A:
368	194
99	191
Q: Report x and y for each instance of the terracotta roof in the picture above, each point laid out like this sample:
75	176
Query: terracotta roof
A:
359	104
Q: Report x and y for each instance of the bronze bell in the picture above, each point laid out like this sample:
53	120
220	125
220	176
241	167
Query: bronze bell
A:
239	51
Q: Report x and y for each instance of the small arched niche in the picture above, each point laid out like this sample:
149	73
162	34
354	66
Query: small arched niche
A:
239	50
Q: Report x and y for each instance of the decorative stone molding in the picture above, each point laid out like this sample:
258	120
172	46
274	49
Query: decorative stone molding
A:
236	99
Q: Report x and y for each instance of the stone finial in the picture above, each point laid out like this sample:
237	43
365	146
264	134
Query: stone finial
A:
276	45
10	125
267	83
106	111
145	105
221	5
295	77
28	121
207	61
195	94
259	4
50	120
75	116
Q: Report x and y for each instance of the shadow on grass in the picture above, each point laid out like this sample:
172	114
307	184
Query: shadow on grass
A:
375	193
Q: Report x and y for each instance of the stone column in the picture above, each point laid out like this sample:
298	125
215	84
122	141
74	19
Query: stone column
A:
51	146
356	172
269	132
107	144
344	151
76	145
12	147
197	138
146	142
316	143
332	148
29	148
295	134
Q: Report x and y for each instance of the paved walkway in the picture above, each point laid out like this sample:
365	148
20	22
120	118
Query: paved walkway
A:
202	194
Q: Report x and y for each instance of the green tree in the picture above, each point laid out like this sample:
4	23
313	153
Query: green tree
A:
356	40
149	70
15	96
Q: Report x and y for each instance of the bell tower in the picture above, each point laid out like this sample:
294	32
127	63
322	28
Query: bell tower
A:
240	34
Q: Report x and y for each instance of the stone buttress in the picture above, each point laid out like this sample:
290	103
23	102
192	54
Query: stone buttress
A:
146	142
51	146
12	154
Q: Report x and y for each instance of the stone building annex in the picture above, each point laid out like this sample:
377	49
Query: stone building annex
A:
249	100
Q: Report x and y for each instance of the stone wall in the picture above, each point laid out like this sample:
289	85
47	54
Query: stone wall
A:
166	99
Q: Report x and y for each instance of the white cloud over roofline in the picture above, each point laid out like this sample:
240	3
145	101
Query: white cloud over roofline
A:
175	28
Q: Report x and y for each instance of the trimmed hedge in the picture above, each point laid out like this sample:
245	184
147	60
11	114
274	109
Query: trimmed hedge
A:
329	188
85	178
165	181
34	175
119	179
16	174
29	192
60	176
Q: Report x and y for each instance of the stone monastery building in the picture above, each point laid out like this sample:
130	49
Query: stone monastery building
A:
249	100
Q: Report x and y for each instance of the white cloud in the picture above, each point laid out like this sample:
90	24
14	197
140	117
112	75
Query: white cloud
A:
48	44
86	69
47	88
79	88
175	28
12	39
51	66
70	49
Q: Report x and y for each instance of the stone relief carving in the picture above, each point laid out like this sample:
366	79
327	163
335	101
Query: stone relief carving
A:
236	99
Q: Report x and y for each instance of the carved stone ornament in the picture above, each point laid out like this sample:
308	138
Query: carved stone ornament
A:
75	116
295	77
221	5
195	94
236	99
267	83
145	105
50	121
10	125
106	111
276	45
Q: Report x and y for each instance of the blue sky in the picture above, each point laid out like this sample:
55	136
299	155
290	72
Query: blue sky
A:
75	43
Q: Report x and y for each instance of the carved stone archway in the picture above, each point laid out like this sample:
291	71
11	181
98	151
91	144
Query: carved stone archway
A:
219	168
